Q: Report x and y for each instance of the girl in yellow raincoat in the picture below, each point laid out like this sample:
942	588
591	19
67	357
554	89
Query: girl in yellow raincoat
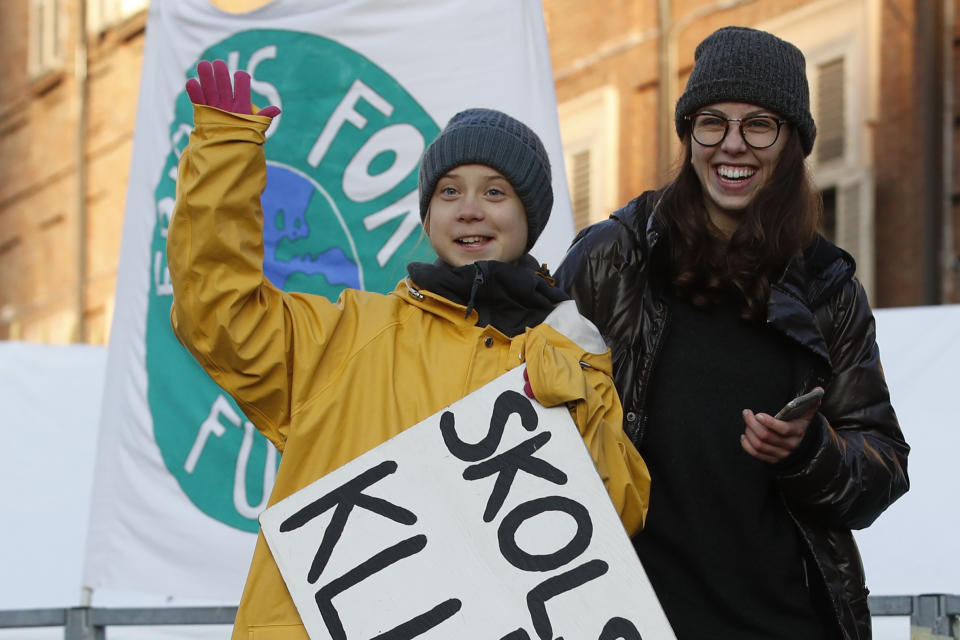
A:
303	368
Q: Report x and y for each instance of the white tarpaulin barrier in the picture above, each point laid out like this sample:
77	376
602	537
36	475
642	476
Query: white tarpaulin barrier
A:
51	404
181	474
913	547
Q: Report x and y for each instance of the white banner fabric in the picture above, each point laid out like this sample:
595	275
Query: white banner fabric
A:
486	520
181	474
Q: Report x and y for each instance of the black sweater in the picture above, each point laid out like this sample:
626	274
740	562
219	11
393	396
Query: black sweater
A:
743	579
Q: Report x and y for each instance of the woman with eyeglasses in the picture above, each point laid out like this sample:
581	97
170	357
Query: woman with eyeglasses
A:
721	303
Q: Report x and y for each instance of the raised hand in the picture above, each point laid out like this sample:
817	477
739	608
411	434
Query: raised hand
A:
214	89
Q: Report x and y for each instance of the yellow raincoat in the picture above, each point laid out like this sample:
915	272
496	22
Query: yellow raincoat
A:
327	381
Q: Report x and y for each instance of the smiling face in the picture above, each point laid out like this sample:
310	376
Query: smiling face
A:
732	172
475	215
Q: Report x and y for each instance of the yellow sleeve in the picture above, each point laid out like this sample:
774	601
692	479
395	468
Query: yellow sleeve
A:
599	417
561	372
238	326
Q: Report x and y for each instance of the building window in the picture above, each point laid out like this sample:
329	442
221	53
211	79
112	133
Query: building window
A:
46	37
103	14
845	177
588	126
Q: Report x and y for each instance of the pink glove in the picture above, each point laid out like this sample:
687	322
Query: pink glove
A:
213	89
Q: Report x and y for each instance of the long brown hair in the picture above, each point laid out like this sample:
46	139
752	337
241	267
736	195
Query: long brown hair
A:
776	226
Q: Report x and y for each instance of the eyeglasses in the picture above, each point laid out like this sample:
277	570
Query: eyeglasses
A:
710	129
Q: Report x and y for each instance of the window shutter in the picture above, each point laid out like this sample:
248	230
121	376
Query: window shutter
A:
850	217
831	131
580	188
855	202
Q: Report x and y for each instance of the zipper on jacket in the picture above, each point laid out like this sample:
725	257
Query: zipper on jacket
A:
477	281
637	437
650	236
816	561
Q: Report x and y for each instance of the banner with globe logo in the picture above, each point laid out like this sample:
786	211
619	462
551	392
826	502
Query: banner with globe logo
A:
182	474
340	210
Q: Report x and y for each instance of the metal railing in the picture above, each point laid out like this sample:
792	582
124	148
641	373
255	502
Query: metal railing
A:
932	615
935	615
90	623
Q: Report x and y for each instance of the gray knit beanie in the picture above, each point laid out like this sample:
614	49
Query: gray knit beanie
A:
739	64
494	139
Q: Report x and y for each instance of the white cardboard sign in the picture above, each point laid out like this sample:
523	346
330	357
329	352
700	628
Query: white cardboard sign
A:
485	521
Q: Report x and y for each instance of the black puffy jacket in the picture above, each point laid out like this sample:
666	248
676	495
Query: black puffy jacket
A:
857	464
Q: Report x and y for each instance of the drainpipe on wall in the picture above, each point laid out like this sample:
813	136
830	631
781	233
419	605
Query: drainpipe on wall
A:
929	68
83	91
950	285
667	70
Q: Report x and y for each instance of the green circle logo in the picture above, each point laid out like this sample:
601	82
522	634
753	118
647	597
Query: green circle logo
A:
340	210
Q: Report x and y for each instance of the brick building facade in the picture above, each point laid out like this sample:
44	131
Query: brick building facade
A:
882	80
62	192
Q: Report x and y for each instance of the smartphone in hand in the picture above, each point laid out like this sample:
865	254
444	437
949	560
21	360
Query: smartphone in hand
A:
799	405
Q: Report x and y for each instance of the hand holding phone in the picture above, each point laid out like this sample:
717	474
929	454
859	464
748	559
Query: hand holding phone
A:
800	405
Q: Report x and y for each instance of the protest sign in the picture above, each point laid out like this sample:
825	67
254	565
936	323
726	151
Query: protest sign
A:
487	520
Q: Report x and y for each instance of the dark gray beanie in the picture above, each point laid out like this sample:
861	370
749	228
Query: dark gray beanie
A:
494	139
739	64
